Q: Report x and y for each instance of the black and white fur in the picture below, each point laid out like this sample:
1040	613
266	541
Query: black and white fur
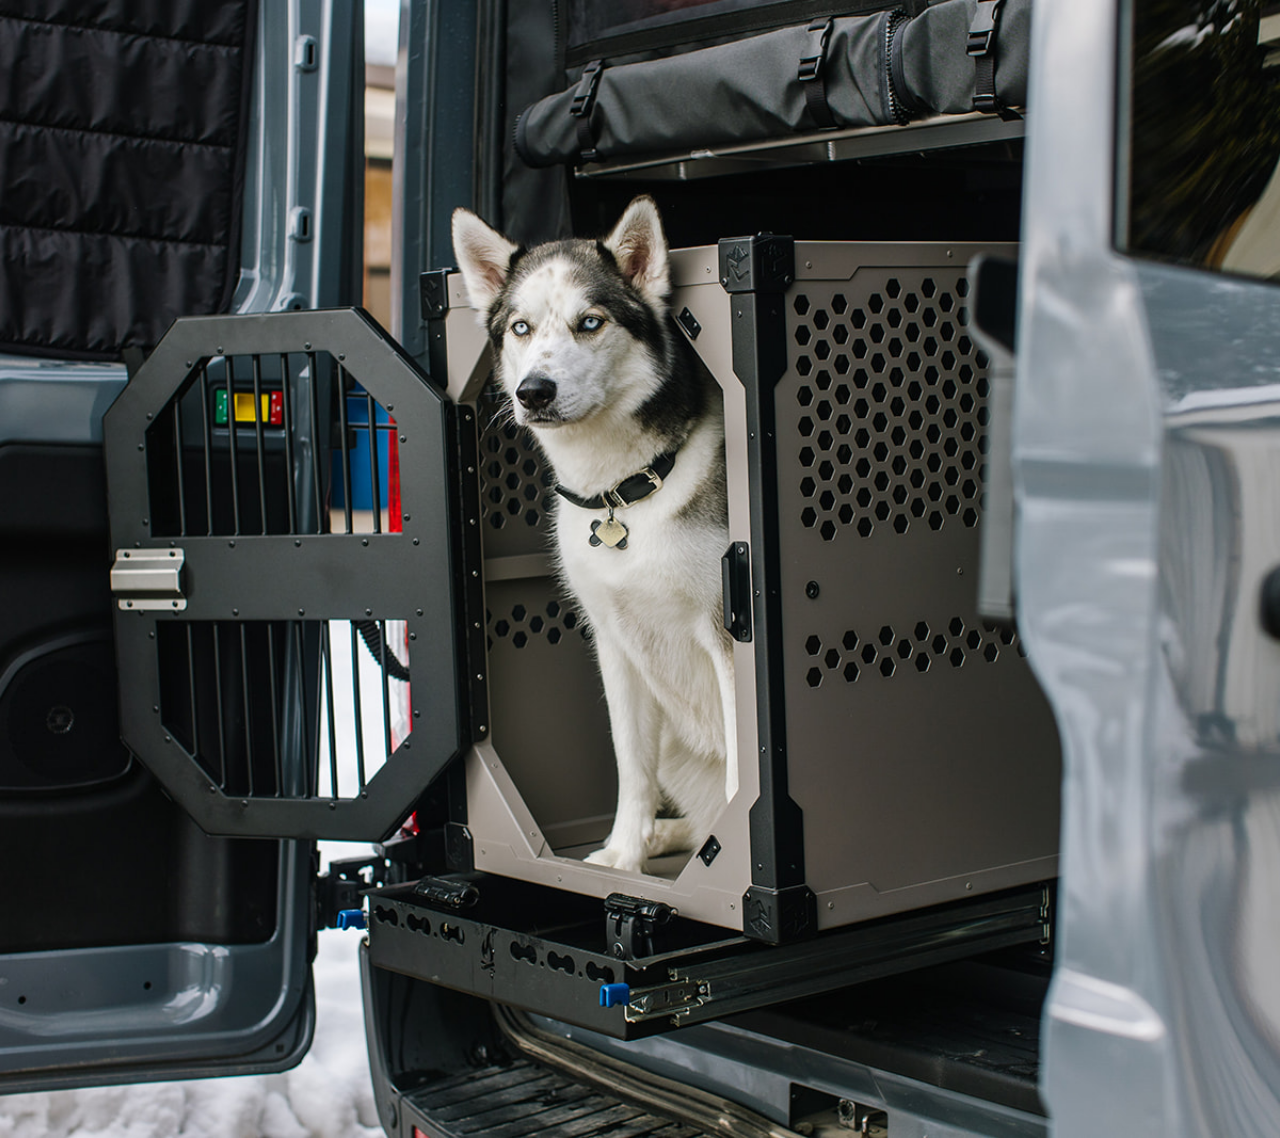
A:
594	366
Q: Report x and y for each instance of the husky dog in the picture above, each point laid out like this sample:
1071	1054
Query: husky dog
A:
633	427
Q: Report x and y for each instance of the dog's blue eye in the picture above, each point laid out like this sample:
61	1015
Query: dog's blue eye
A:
591	324
520	328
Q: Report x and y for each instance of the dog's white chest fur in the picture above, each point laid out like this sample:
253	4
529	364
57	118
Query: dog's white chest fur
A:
654	601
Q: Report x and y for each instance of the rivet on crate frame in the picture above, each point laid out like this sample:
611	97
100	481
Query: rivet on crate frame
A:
891	428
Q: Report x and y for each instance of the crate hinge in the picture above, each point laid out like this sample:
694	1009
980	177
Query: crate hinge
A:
342	889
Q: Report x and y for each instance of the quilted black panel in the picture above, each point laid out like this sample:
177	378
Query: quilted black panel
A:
122	137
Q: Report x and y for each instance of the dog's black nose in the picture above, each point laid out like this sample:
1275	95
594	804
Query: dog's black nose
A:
536	391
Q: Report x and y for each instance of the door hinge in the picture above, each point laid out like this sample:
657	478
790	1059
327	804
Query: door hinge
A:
148	579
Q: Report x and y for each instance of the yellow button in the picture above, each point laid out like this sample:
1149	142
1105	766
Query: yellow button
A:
244	407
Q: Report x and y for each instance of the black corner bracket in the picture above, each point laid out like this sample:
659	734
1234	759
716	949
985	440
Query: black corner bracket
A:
459	849
764	263
433	290
779	916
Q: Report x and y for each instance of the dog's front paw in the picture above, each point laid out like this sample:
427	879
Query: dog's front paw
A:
615	857
670	835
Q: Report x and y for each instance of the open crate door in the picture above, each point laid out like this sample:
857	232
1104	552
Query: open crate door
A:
247	608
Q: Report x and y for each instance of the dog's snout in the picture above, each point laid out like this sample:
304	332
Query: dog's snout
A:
536	391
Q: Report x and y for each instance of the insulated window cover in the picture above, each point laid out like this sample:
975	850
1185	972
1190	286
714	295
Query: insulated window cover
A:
122	137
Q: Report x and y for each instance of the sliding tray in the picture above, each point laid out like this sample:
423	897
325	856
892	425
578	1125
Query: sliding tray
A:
563	955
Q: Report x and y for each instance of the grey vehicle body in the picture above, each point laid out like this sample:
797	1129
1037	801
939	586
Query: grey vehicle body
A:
84	1016
1142	458
1142	545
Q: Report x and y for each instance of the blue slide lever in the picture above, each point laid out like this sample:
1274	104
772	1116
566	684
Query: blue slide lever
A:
611	995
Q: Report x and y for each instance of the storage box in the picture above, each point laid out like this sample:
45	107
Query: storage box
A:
895	751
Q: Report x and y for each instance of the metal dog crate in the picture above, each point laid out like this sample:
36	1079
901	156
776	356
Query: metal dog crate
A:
895	751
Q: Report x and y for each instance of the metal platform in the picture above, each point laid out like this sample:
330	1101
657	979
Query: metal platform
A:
551	952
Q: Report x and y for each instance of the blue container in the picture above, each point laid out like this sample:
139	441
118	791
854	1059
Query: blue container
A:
361	480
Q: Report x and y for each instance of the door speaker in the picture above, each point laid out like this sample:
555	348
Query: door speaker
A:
59	728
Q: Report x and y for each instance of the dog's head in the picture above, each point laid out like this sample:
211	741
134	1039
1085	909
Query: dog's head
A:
576	326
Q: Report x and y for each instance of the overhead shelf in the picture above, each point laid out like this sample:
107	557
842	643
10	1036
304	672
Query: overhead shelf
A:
937	133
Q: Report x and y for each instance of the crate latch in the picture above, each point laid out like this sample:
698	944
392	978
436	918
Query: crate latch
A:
735	574
148	579
633	925
447	892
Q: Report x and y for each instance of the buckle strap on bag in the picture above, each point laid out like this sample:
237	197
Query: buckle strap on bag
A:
982	47
812	73
584	99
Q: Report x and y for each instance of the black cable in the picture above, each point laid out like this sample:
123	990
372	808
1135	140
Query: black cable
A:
371	633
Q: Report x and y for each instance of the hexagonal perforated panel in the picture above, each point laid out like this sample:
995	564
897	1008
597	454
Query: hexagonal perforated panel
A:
888	650
550	721
515	480
520	624
891	404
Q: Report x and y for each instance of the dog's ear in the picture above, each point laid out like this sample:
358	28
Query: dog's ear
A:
484	256
640	248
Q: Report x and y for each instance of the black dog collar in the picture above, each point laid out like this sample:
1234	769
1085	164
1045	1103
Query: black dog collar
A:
629	490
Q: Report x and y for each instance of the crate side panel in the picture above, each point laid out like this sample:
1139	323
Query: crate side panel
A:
920	746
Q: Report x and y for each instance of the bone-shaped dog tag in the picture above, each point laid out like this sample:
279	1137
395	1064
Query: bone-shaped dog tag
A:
610	532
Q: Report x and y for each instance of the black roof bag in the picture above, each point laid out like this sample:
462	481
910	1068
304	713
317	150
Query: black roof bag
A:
871	70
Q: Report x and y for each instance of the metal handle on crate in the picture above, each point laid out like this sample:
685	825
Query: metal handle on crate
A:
145	580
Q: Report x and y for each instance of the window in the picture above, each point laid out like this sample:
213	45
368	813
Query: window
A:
1200	134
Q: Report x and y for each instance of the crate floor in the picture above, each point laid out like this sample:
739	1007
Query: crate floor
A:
526	1099
668	867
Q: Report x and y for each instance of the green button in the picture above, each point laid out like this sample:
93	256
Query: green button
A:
220	407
